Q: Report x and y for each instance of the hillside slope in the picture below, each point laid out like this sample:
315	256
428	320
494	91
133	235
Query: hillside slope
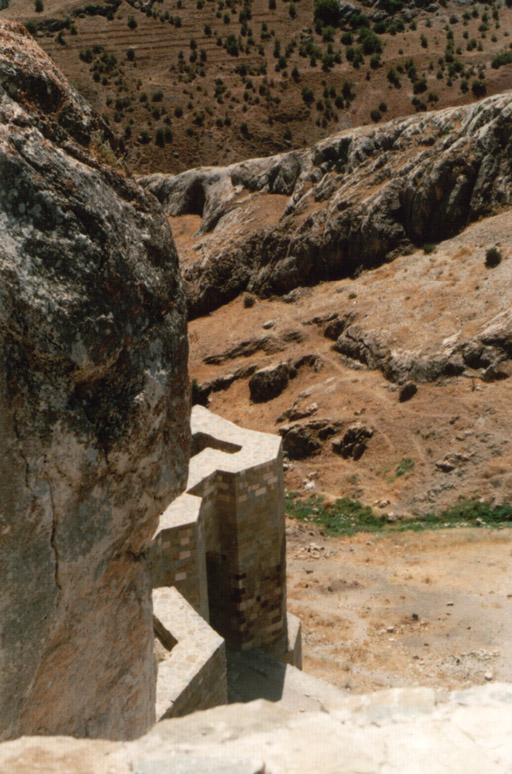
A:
193	82
349	203
395	269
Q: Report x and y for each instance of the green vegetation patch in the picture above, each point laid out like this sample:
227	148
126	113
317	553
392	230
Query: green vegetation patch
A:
501	59
346	516
405	465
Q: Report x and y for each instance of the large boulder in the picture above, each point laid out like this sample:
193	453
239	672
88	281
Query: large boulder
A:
267	383
94	434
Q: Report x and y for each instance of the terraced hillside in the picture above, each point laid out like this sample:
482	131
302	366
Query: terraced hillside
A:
190	82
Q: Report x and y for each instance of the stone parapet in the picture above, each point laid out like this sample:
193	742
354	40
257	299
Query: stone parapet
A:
222	544
193	674
178	555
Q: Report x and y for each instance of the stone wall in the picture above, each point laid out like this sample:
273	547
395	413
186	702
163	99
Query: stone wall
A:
178	554
222	543
192	662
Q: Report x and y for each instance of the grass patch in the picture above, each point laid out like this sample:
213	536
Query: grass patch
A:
346	516
405	465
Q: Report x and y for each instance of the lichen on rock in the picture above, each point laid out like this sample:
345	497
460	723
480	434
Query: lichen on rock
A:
94	410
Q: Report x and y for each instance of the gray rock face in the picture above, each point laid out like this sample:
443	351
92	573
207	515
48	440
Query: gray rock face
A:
93	411
268	383
354	200
354	441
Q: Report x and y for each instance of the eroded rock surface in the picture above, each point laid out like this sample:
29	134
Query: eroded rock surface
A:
268	383
400	731
93	410
353	201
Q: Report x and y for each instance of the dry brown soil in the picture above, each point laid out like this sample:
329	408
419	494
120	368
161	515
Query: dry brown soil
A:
377	611
447	595
416	304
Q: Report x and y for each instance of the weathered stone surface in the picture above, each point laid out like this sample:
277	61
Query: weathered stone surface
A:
193	764
354	200
397	731
489	353
334	328
301	440
268	383
246	348
354	441
93	410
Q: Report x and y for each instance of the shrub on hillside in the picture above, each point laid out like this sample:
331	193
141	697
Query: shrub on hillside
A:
308	95
232	45
327	12
370	42
501	59
393	77
479	88
493	257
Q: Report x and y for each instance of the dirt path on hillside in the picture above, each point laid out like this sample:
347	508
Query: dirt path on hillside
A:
430	608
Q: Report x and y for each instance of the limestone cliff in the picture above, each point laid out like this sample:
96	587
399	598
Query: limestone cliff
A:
351	202
93	410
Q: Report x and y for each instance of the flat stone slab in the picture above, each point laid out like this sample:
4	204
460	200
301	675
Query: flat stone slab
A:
398	731
192	764
255	675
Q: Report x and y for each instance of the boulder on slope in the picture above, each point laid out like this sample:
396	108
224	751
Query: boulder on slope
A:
267	383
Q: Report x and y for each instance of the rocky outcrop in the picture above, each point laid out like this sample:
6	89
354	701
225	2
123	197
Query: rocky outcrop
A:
354	442
93	410
269	382
485	355
351	202
301	440
402	730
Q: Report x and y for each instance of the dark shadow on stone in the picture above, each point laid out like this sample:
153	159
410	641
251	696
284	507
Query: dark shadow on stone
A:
252	675
202	441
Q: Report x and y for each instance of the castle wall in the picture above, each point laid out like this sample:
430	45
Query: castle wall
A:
222	547
193	674
178	552
222	544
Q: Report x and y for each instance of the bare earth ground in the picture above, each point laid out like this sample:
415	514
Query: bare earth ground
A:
377	611
431	608
416	304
